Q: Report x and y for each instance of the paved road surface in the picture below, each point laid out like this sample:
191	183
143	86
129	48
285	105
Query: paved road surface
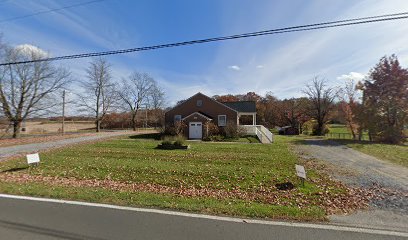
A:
28	219
10	151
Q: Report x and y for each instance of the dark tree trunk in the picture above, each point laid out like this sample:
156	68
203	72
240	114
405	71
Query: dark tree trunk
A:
352	131
360	134
98	125
134	121
319	130
16	129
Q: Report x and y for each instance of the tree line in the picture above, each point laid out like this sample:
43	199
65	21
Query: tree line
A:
377	105
34	89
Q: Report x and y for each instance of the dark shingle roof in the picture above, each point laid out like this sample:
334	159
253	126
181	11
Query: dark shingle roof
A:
242	106
208	116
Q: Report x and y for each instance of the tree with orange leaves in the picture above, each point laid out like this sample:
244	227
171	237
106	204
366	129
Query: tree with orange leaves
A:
385	100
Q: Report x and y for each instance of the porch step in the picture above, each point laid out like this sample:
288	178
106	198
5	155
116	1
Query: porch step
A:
263	134
264	140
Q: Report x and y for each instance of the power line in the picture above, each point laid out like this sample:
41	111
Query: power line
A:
309	27
48	11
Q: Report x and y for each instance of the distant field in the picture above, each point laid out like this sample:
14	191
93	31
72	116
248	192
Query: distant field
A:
340	131
338	128
41	127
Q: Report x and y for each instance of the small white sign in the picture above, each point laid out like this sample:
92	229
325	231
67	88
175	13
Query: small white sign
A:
33	158
300	171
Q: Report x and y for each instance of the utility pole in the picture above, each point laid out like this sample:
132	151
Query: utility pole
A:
63	112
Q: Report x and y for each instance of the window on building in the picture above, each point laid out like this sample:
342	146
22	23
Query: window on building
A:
199	103
177	118
222	120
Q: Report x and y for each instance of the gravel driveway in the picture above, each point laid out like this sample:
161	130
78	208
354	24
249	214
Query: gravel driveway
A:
357	169
10	151
364	170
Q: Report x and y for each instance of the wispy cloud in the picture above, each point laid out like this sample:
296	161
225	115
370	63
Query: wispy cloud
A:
78	26
28	50
234	67
178	90
293	59
282	64
352	76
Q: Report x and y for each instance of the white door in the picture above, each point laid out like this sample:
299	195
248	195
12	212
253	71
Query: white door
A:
195	130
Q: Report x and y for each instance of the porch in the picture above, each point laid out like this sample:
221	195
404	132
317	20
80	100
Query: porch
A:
246	117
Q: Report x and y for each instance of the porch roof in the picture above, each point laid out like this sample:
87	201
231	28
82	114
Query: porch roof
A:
242	106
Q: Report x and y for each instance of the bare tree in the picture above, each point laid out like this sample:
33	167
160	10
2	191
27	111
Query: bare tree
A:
28	89
99	90
349	105
156	97
156	102
321	100
134	92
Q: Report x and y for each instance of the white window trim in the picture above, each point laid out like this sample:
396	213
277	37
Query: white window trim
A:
225	123
175	118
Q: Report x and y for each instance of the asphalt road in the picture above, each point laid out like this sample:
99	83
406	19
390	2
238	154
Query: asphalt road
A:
33	219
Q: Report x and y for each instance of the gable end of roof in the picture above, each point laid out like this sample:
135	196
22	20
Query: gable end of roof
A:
199	93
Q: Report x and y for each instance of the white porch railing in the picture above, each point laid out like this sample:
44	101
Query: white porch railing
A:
259	135
249	129
263	134
267	133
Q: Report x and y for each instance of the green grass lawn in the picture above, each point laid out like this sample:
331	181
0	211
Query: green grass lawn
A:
218	178
394	153
340	131
338	128
244	139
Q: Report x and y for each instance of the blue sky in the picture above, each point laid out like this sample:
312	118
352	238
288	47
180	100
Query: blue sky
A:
282	64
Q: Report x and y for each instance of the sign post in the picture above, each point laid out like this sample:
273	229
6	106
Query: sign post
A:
33	159
301	173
